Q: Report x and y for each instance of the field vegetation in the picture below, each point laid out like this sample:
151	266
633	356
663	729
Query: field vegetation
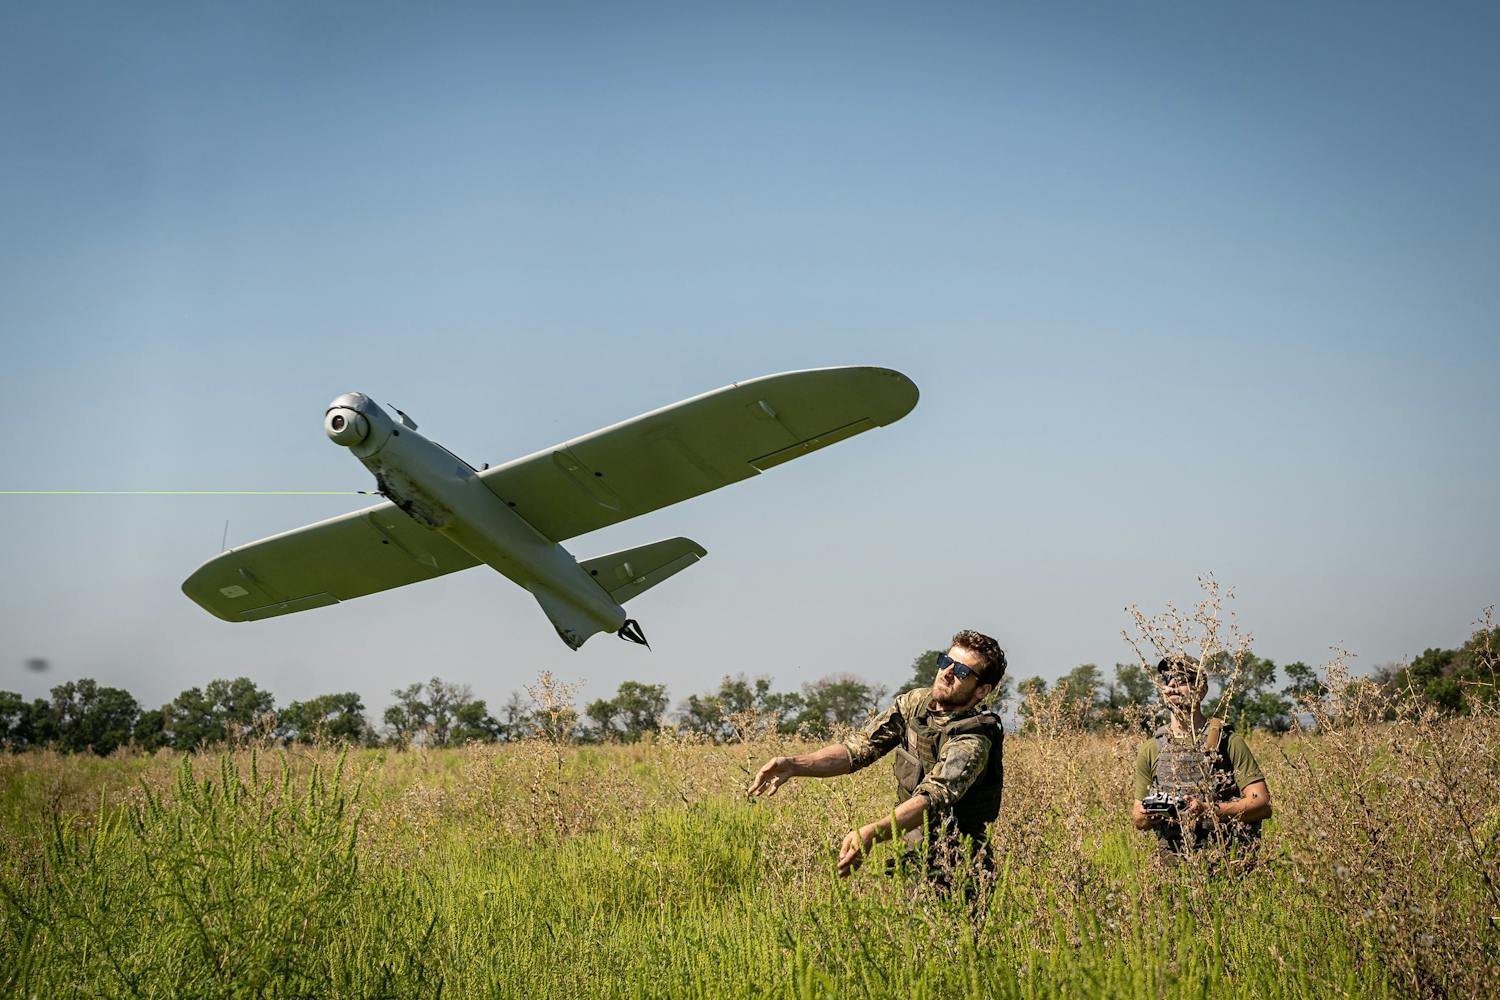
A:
542	867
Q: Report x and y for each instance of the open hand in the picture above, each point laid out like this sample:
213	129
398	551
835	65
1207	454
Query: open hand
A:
772	775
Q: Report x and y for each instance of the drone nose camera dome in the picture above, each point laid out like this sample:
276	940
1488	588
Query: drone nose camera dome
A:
345	427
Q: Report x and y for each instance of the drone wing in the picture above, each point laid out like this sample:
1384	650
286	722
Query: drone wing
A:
344	557
697	445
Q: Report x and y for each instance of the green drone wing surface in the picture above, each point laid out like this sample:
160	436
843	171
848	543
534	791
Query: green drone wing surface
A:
363	552
695	446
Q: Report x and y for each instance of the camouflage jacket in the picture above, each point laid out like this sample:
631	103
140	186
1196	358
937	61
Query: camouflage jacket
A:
962	758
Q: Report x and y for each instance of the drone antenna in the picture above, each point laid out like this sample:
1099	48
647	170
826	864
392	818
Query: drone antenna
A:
192	493
224	542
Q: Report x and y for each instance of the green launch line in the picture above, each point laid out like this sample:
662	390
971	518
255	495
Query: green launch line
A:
191	493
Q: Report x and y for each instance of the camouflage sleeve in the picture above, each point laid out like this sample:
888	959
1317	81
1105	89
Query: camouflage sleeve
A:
1246	771
963	762
880	737
1145	768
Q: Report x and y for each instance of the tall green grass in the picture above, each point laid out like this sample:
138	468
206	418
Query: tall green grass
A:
642	872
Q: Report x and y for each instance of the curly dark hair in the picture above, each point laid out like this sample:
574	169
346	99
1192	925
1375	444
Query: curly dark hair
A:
985	647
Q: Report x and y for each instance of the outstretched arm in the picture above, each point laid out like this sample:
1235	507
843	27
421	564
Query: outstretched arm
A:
828	762
862	748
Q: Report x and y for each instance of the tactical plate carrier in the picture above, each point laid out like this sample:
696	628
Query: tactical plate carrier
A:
921	752
1183	768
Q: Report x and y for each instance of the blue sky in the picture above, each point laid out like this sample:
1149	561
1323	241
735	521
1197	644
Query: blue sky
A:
1186	289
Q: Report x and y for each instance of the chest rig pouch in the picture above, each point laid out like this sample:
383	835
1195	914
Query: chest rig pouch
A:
922	751
1204	772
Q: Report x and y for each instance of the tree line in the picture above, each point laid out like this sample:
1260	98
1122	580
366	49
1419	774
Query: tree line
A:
1251	701
86	716
1244	688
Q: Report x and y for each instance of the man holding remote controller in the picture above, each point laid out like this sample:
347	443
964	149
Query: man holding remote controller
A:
1196	781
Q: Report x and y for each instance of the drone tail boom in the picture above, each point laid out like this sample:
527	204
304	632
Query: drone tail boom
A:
572	625
622	575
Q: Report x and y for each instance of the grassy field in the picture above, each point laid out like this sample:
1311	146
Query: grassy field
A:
641	871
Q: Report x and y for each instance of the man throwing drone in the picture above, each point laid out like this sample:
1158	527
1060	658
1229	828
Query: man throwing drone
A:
947	760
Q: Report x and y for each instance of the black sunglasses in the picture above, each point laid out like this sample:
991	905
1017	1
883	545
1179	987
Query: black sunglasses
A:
1170	669
960	670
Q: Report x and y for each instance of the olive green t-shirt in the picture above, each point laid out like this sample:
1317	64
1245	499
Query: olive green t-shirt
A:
1246	771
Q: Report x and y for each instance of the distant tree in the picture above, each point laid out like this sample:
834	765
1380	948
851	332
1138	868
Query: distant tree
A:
1080	690
445	700
1303	689
407	718
191	721
738	698
1083	698
338	718
26	725
151	732
1448	678
472	723
556	723
788	708
737	695
1479	665
1032	697
923	670
1134	684
1130	696
601	720
1031	687
90	717
197	718
240	702
439	714
515	720
635	710
1302	683
839	699
708	714
704	714
1433	675
1268	710
1246	697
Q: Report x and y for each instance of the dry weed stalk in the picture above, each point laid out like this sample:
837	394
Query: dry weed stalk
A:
1393	812
1222	647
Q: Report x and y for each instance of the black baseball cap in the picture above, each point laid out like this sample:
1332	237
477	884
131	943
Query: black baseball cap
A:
1180	664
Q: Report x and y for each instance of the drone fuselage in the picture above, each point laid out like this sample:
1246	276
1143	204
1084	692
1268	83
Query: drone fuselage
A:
443	493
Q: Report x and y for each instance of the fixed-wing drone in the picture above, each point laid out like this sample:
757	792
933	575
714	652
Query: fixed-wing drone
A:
444	515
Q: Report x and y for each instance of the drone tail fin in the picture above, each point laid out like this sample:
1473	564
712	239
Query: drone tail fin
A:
631	572
623	575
